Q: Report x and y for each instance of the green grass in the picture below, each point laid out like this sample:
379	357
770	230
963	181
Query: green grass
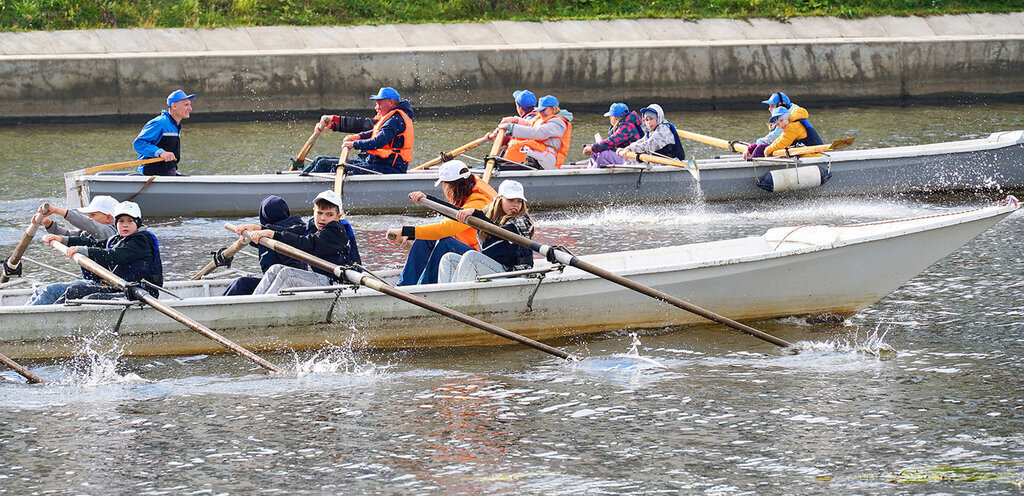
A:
27	15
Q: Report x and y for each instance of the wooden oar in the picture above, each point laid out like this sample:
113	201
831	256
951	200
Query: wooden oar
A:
736	146
565	258
119	165
446	156
491	160
339	173
690	165
377	285
12	266
223	256
300	160
137	293
794	151
26	373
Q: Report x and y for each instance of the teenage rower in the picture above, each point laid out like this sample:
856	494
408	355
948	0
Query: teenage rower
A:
660	136
276	216
625	128
796	130
387	147
542	143
328	236
775	101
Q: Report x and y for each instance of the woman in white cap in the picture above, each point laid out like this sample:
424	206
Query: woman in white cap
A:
431	241
95	220
132	254
508	210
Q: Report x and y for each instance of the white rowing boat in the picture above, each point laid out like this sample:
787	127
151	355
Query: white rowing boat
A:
995	163
794	270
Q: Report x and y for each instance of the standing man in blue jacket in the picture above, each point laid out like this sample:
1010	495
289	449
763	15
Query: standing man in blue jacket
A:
161	137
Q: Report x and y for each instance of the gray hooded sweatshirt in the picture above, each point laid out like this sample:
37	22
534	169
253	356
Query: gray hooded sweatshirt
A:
657	139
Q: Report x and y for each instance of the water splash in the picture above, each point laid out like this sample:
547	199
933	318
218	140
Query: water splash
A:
339	360
96	363
872	344
632	360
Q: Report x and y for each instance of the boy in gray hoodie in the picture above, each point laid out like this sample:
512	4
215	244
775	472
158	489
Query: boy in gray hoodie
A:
660	136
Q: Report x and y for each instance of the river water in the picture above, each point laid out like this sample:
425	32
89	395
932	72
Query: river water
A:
919	394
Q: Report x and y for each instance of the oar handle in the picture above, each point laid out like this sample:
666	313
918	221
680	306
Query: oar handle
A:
225	255
564	257
489	168
364	280
141	295
13	263
339	173
446	156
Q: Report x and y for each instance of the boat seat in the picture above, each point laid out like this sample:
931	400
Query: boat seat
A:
117	173
801	235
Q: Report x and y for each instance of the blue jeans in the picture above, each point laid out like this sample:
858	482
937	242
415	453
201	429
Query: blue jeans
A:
46	295
425	257
330	164
242	286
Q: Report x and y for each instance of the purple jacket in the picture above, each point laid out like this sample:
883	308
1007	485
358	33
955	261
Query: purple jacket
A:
628	131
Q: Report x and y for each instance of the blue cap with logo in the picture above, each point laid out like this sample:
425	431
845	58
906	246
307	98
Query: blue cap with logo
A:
177	96
545	102
777	98
617	110
779	113
525	98
386	93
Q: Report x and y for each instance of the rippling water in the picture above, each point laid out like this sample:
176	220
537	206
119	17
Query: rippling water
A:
920	393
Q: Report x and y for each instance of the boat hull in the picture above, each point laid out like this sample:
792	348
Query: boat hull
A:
788	271
994	163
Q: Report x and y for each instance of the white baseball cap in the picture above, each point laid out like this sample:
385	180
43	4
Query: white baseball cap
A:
512	190
329	196
102	203
128	208
452	170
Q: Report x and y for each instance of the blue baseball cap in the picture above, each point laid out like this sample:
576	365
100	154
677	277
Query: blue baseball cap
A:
545	102
386	93
617	110
779	113
777	98
178	96
525	98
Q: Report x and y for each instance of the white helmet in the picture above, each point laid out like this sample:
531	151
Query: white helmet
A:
128	208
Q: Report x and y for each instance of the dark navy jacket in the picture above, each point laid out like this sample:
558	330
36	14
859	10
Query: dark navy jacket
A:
394	126
508	254
160	134
334	243
133	258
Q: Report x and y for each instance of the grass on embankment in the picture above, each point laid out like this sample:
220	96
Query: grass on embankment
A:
89	14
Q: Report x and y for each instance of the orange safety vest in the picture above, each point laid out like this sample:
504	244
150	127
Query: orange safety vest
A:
389	149
512	152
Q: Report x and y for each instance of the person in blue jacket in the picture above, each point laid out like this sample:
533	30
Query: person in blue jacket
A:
385	149
274	215
328	236
161	136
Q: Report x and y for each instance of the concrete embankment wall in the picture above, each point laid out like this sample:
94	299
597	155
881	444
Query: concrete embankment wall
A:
711	62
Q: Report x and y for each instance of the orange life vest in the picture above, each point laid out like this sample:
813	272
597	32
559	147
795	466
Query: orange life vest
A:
514	154
389	149
485	190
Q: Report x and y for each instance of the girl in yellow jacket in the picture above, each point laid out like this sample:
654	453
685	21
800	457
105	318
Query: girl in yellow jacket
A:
432	241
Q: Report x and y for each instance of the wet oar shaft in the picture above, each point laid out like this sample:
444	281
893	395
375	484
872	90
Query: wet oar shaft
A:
339	173
566	258
141	295
451	154
26	373
495	148
227	254
121	165
365	280
11	264
299	159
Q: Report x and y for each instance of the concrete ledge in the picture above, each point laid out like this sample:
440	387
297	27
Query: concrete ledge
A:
126	72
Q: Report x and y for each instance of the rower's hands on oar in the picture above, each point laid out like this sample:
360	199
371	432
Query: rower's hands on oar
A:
246	227
622	151
325	123
394	236
416	196
257	235
52	237
168	156
588	150
463	214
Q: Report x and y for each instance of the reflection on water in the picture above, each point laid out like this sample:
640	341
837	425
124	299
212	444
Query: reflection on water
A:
924	384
